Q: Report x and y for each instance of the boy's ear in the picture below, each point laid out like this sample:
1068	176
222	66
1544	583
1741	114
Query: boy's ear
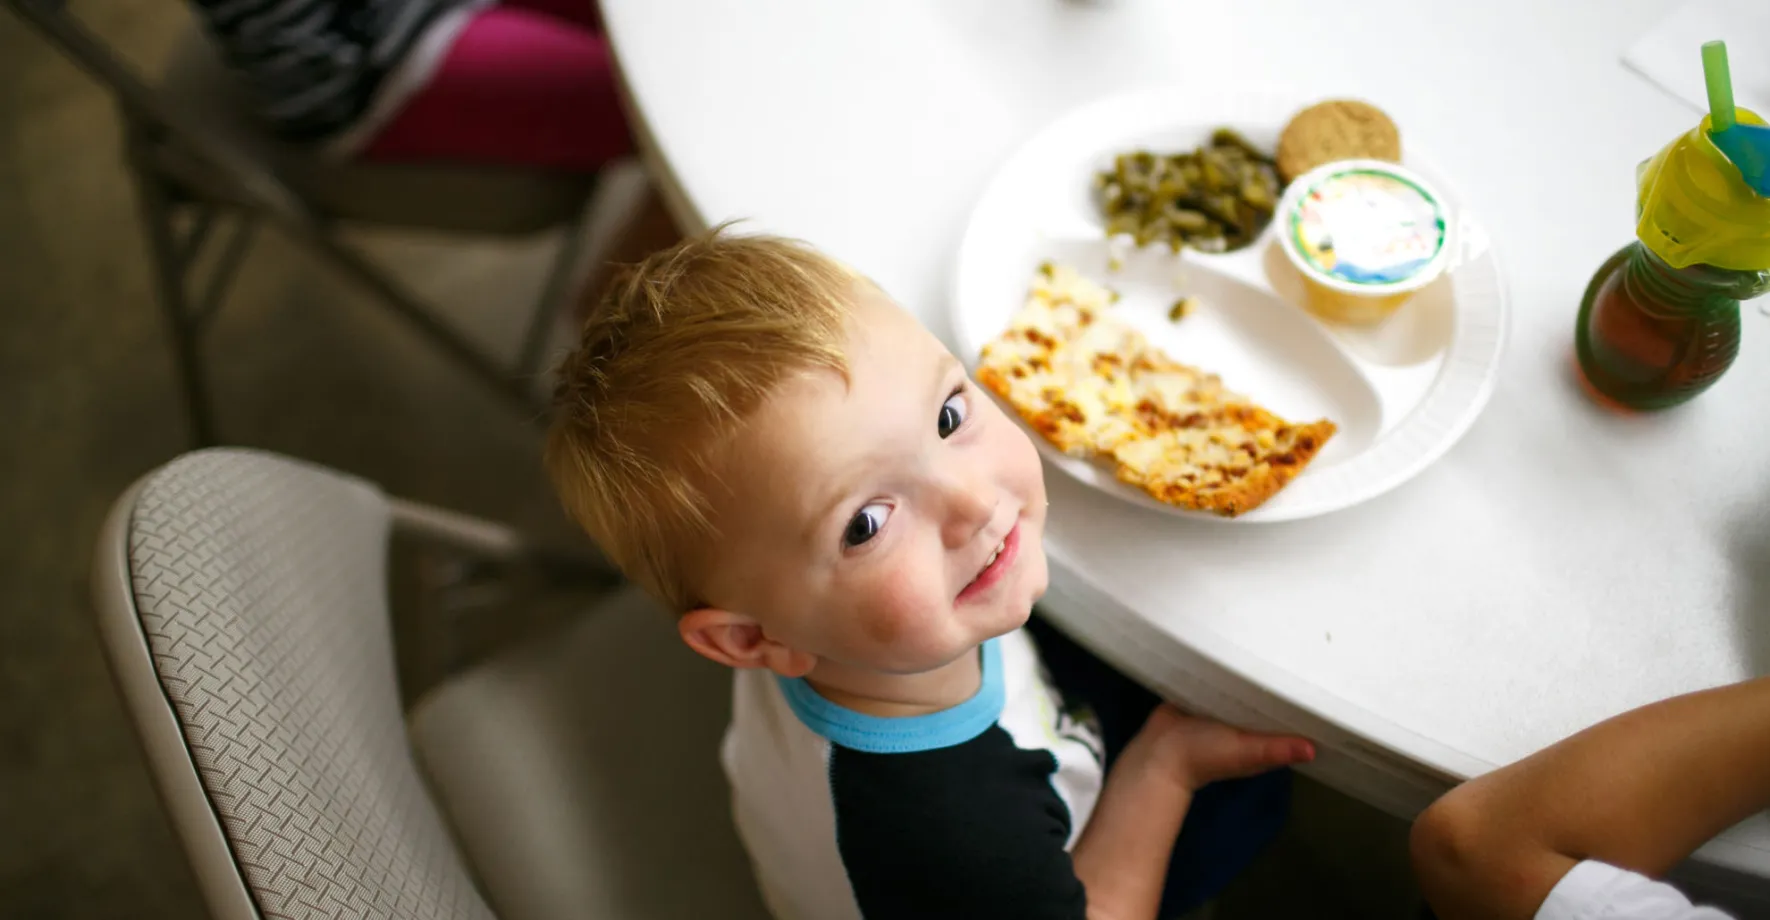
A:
737	641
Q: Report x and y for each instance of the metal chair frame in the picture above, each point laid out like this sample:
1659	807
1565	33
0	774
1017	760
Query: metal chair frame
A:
189	180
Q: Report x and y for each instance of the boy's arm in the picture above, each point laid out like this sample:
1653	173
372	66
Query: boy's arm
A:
1639	791
1122	855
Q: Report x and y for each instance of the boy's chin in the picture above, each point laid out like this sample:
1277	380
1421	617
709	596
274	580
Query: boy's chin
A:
1004	621
985	632
1017	616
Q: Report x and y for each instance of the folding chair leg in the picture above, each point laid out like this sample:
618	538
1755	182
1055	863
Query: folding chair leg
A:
555	296
169	268
409	308
222	275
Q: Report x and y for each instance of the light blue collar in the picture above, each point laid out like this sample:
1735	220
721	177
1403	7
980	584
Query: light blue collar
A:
904	734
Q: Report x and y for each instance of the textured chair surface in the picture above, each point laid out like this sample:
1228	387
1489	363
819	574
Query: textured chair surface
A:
261	591
580	771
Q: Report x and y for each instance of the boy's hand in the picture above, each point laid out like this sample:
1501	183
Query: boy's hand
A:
1122	856
1198	751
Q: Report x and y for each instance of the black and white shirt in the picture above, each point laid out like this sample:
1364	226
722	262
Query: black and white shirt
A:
965	813
332	72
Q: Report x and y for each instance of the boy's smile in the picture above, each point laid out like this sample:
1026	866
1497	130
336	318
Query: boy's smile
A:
883	526
1000	560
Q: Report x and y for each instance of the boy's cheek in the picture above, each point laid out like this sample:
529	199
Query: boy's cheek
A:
1039	567
1019	451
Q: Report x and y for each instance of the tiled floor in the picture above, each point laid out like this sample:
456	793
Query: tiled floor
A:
303	364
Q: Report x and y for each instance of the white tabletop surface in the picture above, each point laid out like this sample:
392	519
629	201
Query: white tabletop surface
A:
1558	566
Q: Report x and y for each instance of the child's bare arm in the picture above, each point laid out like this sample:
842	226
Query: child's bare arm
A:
1640	791
1122	856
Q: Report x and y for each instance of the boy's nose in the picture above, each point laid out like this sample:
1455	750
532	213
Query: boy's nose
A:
970	506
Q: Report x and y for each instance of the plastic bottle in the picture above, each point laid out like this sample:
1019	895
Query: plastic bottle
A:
1660	320
1652	336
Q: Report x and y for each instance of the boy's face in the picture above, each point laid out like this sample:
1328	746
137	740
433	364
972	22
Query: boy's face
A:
863	519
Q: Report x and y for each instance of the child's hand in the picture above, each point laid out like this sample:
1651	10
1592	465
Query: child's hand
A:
1122	855
1199	751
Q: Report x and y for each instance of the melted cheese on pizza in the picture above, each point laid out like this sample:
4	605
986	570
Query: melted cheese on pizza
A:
1096	388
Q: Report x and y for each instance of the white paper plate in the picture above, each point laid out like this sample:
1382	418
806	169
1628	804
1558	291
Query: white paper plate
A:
1401	393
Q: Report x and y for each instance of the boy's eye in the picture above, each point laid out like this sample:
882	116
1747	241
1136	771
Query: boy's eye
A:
865	525
952	414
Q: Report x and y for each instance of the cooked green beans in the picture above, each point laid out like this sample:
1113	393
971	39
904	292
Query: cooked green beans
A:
1214	199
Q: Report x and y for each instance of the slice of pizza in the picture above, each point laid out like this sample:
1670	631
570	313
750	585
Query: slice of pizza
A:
1096	388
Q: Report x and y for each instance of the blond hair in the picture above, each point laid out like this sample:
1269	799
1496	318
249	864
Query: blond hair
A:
678	353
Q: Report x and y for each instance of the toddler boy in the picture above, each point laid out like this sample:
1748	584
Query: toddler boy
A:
764	441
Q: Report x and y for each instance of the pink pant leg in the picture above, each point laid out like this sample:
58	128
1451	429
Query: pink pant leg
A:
581	12
518	88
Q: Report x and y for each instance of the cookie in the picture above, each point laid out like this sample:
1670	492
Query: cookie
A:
1336	130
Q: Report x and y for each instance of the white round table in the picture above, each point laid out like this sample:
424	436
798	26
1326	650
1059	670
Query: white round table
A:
1560	565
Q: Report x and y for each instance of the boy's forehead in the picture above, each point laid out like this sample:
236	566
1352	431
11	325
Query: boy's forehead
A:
884	338
816	426
890	358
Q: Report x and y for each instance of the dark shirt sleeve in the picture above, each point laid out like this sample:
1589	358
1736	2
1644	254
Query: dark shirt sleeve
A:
969	831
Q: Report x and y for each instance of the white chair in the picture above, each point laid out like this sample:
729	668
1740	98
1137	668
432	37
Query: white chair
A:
242	604
201	159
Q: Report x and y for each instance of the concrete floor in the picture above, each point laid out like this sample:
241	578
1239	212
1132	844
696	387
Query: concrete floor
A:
304	364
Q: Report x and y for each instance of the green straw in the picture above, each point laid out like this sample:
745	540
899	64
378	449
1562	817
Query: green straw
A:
1720	82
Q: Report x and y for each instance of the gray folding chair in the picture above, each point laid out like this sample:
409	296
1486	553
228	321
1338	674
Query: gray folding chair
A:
200	157
242	605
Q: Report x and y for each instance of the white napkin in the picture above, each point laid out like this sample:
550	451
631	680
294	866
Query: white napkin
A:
1670	54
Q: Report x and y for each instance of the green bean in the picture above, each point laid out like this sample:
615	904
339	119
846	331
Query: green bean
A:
1215	198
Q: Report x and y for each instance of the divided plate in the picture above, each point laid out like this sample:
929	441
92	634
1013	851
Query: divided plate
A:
1401	393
